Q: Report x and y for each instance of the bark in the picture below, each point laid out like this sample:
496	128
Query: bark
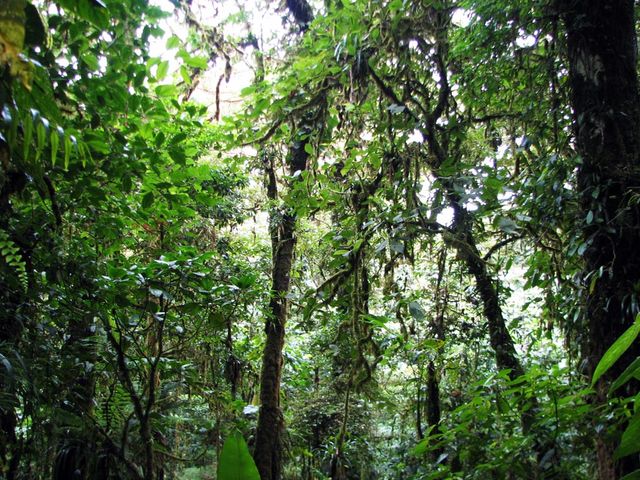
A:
268	452
282	226
433	409
142	407
433	383
433	405
338	469
499	336
601	41
270	426
463	240
419	431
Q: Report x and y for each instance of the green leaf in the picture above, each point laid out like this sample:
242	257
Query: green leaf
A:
245	281
247	90
309	148
27	130
92	10
176	139
235	460
630	442
67	151
421	448
502	405
166	90
163	68
173	42
90	60
7	364
396	246
177	155
194	61
377	320
41	135
184	73
158	293
416	311
97	143
54	145
632	371
35	30
507	225
589	217
632	476
616	350
147	200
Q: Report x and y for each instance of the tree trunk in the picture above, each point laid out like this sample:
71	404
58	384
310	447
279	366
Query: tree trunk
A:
282	225
437	328
270	425
268	452
433	399
442	148
499	336
601	41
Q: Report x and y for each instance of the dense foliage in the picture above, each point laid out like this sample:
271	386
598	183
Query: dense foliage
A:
350	240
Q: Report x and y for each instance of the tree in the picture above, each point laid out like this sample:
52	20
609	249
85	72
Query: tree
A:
282	229
430	240
601	42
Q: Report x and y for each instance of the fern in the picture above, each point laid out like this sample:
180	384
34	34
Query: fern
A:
11	255
114	408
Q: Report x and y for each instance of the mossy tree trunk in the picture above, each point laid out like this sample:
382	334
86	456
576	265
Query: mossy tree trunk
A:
601	41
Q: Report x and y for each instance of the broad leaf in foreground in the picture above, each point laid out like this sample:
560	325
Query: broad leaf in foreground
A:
235	461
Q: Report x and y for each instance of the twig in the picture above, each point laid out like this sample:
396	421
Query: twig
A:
499	245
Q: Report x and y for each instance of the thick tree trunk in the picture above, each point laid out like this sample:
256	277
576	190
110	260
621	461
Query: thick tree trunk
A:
270	426
433	399
268	452
601	40
282	225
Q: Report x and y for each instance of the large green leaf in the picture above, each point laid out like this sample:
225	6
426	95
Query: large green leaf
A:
632	371
235	461
632	476
630	442
616	350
